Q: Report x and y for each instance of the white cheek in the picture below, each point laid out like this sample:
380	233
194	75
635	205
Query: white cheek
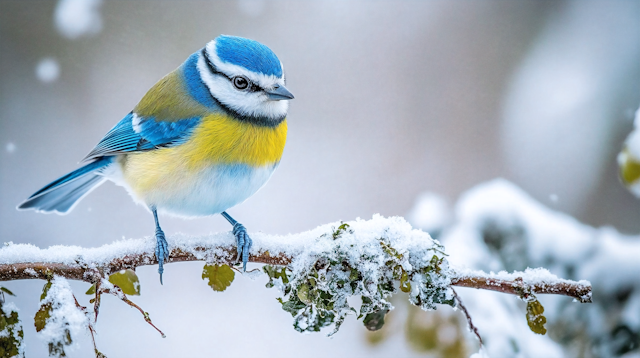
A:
245	103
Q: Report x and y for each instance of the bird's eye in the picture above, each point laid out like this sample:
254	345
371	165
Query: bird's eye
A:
240	82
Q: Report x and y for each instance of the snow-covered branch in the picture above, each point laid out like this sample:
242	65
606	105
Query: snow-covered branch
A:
24	261
90	272
316	272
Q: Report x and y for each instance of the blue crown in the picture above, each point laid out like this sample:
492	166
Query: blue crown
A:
249	54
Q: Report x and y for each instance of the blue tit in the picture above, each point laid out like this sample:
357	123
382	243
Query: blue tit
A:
203	139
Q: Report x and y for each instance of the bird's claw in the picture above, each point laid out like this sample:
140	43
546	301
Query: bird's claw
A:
162	251
243	242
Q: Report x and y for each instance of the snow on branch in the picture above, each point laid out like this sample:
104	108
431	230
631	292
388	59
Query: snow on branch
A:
316	272
25	261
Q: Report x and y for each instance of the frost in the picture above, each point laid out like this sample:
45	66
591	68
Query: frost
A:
77	18
60	318
11	332
480	354
48	70
361	258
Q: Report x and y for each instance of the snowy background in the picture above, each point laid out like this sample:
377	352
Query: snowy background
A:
393	100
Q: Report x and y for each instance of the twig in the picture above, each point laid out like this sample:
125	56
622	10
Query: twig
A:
92	330
118	293
96	303
472	327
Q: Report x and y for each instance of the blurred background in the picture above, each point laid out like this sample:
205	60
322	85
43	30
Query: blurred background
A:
393	98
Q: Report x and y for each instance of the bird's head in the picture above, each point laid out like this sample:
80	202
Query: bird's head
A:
246	77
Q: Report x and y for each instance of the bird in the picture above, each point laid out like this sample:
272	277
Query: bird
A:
203	139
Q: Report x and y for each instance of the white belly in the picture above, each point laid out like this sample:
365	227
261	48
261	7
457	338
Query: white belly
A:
208	191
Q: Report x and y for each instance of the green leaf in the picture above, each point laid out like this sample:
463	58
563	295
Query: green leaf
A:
374	321
293	306
283	275
390	250
220	277
127	280
56	348
629	168
6	290
269	270
354	275
405	285
13	335
341	229
45	290
91	290
535	317
40	320
303	293
313	320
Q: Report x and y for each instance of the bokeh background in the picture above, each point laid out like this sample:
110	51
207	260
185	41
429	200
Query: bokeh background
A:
393	98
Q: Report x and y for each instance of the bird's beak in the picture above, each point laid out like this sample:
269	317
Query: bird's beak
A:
279	93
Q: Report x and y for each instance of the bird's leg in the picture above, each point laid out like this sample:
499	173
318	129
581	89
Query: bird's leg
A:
162	248
243	241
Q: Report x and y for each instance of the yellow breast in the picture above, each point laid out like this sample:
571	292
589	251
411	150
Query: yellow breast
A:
218	140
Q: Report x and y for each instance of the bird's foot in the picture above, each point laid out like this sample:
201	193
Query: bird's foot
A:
162	251
244	242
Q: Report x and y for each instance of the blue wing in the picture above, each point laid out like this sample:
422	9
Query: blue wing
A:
138	134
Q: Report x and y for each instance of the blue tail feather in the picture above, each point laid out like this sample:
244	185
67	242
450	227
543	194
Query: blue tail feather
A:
61	194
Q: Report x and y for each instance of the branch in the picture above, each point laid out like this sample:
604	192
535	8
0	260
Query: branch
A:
581	290
472	327
518	283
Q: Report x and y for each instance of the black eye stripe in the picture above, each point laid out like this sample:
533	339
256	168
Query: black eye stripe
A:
210	65
252	86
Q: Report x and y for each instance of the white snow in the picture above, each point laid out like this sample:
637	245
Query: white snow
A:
480	354
361	260
538	276
367	234
633	144
499	227
48	70
630	153
430	213
8	308
77	18
64	315
633	141
375	249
